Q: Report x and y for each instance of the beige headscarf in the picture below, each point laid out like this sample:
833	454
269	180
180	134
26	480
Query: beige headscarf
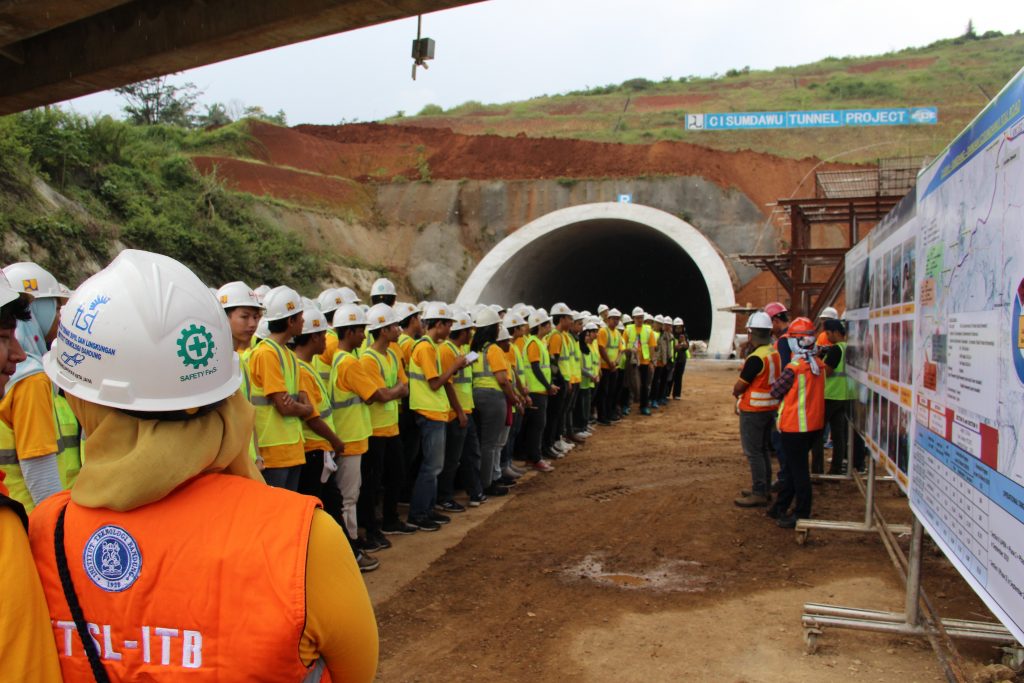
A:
131	462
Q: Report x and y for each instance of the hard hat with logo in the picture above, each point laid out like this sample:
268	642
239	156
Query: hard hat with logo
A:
775	308
237	293
380	315
438	310
404	309
513	320
382	287
33	279
758	321
637	312
329	300
538	318
131	339
463	319
348	296
801	327
560	309
487	316
281	302
829	313
313	319
348	315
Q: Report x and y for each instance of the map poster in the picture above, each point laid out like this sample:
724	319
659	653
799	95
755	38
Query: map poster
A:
967	463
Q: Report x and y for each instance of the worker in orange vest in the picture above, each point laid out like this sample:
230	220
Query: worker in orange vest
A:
154	566
801	417
756	408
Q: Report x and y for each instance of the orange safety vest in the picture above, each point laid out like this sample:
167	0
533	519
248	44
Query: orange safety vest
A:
757	397
207	584
803	408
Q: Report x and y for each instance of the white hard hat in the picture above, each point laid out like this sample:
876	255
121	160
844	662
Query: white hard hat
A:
513	320
7	293
626	319
503	334
348	315
621	326
487	316
382	287
648	316
380	315
329	300
33	279
463	319
261	291
590	327
262	329
497	308
614	313
281	302
538	318
829	313
144	334
580	315
364	307
758	321
65	291
313	319
438	310
560	309
237	294
679	321
404	309
638	312
601	308
348	296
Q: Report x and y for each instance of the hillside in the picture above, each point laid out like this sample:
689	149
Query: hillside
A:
958	75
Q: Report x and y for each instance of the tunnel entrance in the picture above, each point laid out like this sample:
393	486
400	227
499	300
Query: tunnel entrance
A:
623	255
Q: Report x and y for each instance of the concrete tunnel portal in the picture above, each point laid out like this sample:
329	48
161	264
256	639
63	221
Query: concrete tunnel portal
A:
619	254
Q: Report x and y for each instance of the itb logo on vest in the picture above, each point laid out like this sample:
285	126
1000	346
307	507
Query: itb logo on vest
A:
112	559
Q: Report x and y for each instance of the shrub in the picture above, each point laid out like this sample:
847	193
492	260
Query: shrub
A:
431	110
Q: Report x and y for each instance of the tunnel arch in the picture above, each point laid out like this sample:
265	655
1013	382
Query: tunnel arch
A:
615	253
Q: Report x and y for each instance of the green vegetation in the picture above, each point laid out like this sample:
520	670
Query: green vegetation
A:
137	184
959	75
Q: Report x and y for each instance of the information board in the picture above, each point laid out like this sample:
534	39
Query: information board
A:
822	118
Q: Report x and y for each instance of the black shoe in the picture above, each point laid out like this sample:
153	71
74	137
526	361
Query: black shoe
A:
424	523
506	481
605	423
776	486
398	527
379	539
439	518
368	545
450	506
475	501
773	512
496	490
787	522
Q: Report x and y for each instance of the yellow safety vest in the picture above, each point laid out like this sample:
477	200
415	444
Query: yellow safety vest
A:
838	386
273	428
421	396
323	369
462	381
483	377
591	365
533	385
67	436
385	414
351	417
612	347
565	357
323	407
246	391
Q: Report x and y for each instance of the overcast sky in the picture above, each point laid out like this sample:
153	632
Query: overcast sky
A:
505	50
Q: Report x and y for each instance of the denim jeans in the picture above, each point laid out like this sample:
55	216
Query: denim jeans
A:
755	437
283	477
424	489
455	437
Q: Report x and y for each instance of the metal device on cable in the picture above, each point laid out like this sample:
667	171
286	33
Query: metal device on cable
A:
422	48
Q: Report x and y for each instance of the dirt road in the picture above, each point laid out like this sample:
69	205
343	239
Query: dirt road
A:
630	563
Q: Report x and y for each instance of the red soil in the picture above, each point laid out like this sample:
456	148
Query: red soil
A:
905	63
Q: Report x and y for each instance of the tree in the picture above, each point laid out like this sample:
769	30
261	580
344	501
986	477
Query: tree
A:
216	115
257	112
156	100
970	33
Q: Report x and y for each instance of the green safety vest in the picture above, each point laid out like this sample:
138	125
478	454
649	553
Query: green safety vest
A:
575	356
350	416
591	365
69	460
273	428
838	386
385	414
533	385
565	357
645	339
612	347
246	389
323	407
521	364
483	377
323	369
421	396
462	381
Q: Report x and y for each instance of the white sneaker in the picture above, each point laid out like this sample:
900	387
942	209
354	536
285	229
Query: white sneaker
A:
582	435
566	445
558	446
555	454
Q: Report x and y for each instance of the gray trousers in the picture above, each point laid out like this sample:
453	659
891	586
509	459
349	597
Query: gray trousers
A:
755	436
490	411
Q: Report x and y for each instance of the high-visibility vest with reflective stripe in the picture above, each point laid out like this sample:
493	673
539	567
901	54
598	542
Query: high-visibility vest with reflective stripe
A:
350	416
385	414
802	409
533	385
641	340
421	396
462	381
312	439
273	428
564	356
66	435
612	347
838	386
176	590
575	359
521	364
757	397
246	390
590	367
323	369
483	377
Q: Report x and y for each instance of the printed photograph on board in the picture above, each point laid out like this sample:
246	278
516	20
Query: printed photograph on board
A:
896	275
875	276
875	416
908	271
906	352
883	369
895	352
903	440
884	278
883	424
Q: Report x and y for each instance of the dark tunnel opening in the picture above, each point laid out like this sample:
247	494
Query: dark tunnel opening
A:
612	261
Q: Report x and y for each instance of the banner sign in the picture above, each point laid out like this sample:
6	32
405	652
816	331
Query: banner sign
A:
827	118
